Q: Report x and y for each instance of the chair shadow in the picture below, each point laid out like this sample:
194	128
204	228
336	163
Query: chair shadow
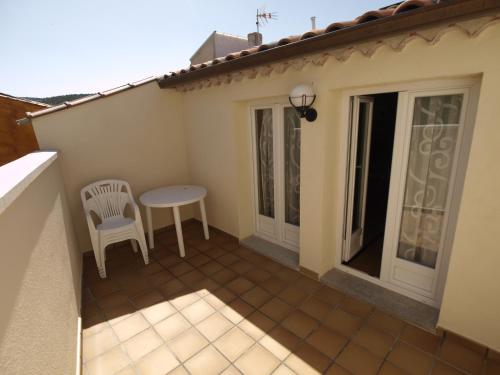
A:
208	271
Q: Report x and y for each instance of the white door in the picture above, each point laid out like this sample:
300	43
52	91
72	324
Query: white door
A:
276	160
358	166
427	147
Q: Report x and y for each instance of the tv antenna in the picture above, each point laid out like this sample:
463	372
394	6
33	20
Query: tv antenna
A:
263	17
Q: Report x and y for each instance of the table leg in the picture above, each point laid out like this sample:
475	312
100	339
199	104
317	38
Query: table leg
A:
178	229
150	228
204	218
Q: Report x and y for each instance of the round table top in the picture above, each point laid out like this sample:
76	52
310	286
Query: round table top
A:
170	196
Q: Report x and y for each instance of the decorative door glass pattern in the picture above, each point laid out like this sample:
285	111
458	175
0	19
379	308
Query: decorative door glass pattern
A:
292	166
265	160
434	135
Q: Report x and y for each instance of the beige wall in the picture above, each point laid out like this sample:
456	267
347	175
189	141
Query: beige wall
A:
40	276
203	136
218	131
136	135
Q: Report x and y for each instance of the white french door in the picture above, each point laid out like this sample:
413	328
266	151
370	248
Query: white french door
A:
358	166
432	134
276	166
423	189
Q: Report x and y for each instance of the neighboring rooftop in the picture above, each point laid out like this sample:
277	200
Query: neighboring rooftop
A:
55	100
25	100
217	45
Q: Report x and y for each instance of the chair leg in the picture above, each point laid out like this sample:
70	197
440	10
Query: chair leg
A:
96	247
97	253
134	245
144	250
102	267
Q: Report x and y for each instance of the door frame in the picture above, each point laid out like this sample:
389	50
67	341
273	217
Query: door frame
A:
352	150
399	187
473	84
285	230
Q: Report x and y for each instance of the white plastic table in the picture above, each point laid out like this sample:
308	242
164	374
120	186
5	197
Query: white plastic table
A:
174	196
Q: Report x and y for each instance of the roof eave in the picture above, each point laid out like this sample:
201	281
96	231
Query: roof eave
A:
452	10
87	99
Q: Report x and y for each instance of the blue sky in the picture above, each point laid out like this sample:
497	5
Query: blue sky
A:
55	47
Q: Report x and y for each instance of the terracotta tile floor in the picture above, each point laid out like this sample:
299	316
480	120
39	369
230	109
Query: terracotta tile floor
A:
225	309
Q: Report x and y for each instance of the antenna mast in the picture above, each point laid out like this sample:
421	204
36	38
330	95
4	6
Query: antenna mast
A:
262	17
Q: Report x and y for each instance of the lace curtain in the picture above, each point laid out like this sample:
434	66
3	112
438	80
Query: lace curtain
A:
435	129
265	162
292	166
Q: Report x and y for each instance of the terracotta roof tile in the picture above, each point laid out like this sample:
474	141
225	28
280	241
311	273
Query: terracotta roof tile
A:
369	16
373	15
411	4
288	40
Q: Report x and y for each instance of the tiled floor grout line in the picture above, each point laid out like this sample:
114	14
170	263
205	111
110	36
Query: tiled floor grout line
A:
349	339
120	343
179	311
213	255
149	324
255	342
435	356
276	295
297	307
139	311
166	343
192	326
391	348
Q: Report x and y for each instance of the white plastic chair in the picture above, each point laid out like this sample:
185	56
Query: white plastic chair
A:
107	199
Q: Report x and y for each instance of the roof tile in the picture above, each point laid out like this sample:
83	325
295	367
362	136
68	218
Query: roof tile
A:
369	16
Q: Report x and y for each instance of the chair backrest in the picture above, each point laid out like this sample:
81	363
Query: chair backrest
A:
107	198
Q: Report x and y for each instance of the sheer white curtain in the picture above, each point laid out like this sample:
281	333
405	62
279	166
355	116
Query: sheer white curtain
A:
435	130
265	163
292	166
264	121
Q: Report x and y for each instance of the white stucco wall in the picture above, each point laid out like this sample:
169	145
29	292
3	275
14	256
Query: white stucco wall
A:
203	137
218	130
136	135
40	277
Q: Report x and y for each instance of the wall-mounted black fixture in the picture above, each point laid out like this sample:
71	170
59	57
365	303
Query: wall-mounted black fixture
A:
302	98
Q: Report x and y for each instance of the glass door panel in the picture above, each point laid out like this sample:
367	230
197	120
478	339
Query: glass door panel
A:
292	166
359	161
276	157
435	131
361	166
265	160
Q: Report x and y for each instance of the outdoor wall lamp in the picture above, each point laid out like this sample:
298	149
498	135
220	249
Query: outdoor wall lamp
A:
302	98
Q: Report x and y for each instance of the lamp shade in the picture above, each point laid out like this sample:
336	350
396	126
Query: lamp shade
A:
302	96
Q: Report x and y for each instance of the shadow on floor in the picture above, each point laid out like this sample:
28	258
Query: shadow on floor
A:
227	309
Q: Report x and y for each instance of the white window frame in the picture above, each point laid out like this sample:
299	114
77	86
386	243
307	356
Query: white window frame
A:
273	230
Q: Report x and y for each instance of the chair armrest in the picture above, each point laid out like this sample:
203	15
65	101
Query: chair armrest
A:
137	212
90	221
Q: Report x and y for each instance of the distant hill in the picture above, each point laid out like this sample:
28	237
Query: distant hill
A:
54	100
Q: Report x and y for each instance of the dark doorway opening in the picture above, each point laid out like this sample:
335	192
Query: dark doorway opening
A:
369	258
